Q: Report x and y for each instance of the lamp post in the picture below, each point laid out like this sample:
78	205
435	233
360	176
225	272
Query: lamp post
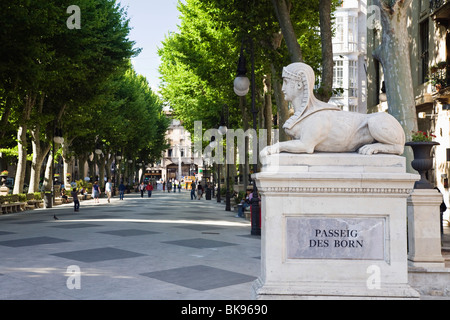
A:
223	130
57	138
241	87
213	144
118	158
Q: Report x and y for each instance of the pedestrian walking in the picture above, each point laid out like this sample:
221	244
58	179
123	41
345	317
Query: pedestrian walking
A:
96	192
149	189
76	202
199	191
175	184
142	189
179	186
193	191
121	190
164	186
108	190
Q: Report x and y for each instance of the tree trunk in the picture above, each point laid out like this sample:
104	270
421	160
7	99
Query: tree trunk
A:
326	35
394	55
109	162
268	108
22	159
82	159
101	171
39	152
22	144
48	172
282	11
282	104
67	161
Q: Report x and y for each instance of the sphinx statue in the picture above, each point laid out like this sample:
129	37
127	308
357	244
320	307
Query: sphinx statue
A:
324	127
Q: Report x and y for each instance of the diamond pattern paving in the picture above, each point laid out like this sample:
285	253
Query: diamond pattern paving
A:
31	242
75	225
200	243
99	254
129	232
200	277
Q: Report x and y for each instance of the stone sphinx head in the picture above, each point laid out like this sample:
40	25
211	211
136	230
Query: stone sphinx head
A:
298	85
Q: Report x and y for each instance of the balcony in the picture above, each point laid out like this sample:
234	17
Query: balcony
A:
440	11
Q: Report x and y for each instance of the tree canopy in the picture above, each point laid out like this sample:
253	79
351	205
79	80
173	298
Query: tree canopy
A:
55	75
199	62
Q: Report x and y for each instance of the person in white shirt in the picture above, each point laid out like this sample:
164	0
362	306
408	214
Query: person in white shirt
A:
108	189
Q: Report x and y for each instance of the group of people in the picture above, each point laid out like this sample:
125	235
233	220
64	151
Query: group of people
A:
148	188
172	185
74	194
199	188
197	191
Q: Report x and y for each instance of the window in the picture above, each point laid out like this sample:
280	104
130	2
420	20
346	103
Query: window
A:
352	34
353	78
338	75
338	42
424	39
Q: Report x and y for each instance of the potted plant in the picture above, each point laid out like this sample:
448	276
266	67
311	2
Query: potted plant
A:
3	176
421	145
437	75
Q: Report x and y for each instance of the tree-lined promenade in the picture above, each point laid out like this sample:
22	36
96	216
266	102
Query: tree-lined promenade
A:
66	68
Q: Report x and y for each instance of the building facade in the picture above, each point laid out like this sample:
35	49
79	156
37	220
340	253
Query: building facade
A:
349	55
428	29
178	161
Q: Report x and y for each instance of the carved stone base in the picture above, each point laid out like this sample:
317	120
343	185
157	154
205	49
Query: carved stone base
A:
334	226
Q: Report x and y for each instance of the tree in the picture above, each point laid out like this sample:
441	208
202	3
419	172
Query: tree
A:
284	10
393	54
58	68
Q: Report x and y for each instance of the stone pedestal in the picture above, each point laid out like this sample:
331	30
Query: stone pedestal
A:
334	226
4	190
424	231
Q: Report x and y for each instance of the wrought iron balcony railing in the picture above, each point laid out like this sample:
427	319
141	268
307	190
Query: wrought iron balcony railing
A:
436	4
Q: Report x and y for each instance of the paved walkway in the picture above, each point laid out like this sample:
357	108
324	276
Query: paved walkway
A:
163	247
160	248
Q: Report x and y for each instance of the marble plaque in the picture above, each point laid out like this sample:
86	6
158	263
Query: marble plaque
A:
335	238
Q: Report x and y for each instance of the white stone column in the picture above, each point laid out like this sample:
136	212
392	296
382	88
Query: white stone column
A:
424	232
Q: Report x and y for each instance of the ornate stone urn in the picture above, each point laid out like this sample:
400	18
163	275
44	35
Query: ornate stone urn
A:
423	161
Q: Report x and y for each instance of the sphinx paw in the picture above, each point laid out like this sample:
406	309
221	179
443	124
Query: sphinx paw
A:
369	149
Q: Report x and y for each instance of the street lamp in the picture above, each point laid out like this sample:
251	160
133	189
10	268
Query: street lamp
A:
241	83
223	130
97	149
213	144
57	138
118	158
241	88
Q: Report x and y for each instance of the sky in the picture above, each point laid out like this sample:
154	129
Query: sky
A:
151	21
